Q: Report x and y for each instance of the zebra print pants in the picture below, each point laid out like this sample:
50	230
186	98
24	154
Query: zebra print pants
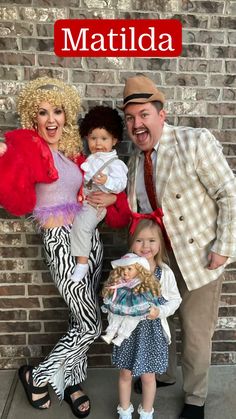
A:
67	363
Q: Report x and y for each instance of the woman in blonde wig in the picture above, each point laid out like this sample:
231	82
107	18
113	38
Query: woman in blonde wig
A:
40	164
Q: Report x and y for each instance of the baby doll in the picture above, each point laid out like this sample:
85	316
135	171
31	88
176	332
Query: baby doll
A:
128	296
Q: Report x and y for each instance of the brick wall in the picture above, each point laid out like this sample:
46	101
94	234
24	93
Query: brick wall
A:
200	87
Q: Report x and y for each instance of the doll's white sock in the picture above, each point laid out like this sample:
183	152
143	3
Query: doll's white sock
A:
80	271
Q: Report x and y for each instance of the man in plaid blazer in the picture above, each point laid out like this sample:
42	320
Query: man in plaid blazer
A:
197	191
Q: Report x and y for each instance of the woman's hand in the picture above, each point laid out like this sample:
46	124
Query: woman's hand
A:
101	199
3	148
153	313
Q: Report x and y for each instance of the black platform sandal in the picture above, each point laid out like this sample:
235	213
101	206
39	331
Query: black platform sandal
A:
77	402
30	389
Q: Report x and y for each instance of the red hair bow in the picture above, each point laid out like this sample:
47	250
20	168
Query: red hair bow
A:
156	216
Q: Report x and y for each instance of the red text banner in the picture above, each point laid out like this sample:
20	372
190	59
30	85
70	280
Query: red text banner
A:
118	38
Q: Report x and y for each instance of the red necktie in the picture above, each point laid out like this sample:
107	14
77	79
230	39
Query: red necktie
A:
148	179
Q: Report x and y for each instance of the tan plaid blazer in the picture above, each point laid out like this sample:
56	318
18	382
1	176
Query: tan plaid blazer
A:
197	192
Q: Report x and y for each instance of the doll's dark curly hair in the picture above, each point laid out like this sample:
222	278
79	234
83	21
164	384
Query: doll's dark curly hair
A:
102	117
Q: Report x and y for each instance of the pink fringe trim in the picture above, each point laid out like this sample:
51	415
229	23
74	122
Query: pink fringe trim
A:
42	215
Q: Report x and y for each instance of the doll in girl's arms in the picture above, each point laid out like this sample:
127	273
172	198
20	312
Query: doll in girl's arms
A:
130	294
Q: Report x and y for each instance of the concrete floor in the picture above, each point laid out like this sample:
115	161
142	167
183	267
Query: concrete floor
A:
102	388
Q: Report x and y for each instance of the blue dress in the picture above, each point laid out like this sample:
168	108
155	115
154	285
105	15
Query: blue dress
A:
146	350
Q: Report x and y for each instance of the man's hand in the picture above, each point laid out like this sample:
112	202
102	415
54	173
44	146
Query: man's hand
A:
216	260
153	313
101	199
3	148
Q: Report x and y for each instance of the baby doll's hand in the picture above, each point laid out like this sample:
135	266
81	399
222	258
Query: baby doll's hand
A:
153	313
3	148
100	179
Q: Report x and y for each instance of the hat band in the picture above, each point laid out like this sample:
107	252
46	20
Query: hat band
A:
137	96
49	87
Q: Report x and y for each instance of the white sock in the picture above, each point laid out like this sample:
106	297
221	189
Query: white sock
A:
80	271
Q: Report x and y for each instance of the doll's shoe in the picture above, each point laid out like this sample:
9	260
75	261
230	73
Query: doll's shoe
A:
125	414
143	414
118	340
107	338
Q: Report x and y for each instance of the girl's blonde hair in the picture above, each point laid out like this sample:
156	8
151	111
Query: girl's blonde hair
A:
148	281
161	257
57	93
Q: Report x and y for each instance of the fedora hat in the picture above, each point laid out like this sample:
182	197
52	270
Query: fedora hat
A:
140	89
130	259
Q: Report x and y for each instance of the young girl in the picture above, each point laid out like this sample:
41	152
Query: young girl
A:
128	294
103	171
145	352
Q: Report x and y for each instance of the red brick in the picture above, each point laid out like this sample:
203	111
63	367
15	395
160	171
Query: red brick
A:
229	288
223	346
224	335
44	338
11	265
14	351
33	239
19	252
60	326
13	315
17	59
10	239
16	327
19	303
42	290
12	363
228	300
13	277
37	265
12	339
100	349
219	358
54	302
94	361
61	314
227	312
46	277
12	290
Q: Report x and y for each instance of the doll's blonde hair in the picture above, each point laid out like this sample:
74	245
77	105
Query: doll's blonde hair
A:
57	93
148	281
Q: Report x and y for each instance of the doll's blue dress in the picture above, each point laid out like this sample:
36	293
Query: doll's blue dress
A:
123	300
146	350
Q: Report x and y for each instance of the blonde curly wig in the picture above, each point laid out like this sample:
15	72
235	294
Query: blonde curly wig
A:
57	93
148	281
